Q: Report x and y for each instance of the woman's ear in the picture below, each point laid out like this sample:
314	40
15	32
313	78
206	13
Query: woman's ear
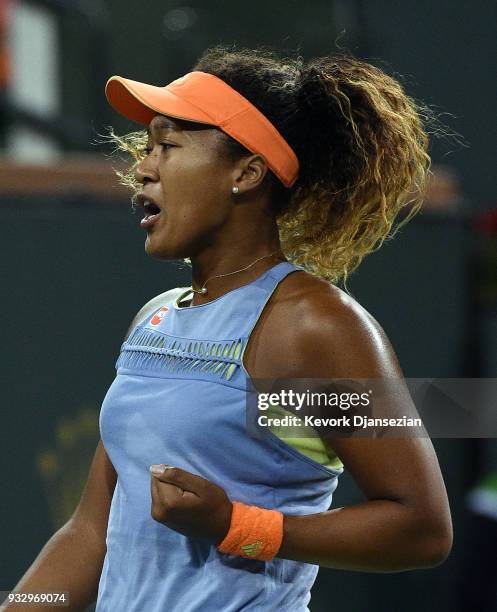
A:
250	173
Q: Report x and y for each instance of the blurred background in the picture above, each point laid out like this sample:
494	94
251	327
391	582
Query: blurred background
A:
74	271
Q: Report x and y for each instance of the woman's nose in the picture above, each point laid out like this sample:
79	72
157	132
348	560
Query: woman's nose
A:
146	169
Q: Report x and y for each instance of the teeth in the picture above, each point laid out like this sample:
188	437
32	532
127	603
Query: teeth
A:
148	204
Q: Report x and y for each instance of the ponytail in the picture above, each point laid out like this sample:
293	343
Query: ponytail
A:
361	143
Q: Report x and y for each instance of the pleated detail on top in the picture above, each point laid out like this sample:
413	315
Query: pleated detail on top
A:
147	349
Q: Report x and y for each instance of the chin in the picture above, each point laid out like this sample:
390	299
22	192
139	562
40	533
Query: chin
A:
160	252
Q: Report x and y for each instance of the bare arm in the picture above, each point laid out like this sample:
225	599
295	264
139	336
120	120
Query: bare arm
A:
72	559
400	526
405	522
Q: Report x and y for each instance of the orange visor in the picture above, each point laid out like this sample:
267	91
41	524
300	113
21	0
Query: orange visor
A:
204	98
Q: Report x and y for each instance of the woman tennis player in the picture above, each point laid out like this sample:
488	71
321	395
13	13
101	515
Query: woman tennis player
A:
273	178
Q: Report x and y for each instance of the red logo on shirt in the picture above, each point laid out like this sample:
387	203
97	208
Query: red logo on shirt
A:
159	315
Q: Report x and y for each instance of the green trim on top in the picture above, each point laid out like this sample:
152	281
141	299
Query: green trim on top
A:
310	445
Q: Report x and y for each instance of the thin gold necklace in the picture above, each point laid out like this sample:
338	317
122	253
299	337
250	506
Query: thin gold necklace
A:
203	289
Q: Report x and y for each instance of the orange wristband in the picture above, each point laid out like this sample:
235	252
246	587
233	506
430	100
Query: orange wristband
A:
254	533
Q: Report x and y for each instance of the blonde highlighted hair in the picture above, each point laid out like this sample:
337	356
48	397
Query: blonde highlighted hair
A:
362	143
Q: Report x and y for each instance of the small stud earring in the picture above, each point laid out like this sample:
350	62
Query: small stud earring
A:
235	189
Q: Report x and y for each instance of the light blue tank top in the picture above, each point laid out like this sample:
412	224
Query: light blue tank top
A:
180	398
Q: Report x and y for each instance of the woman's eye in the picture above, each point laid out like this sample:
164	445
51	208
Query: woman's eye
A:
164	145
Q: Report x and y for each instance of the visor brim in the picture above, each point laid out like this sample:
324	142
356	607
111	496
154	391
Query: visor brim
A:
140	102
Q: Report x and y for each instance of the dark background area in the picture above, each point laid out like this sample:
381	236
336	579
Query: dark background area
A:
444	51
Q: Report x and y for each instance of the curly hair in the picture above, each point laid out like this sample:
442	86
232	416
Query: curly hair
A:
361	141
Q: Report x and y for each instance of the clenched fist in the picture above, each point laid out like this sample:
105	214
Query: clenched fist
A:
189	504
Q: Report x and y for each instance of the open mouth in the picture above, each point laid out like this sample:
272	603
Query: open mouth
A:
150	209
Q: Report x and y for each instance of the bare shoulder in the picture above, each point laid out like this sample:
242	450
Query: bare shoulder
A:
327	332
324	307
154	304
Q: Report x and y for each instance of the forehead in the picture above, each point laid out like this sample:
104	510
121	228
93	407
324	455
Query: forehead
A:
161	123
